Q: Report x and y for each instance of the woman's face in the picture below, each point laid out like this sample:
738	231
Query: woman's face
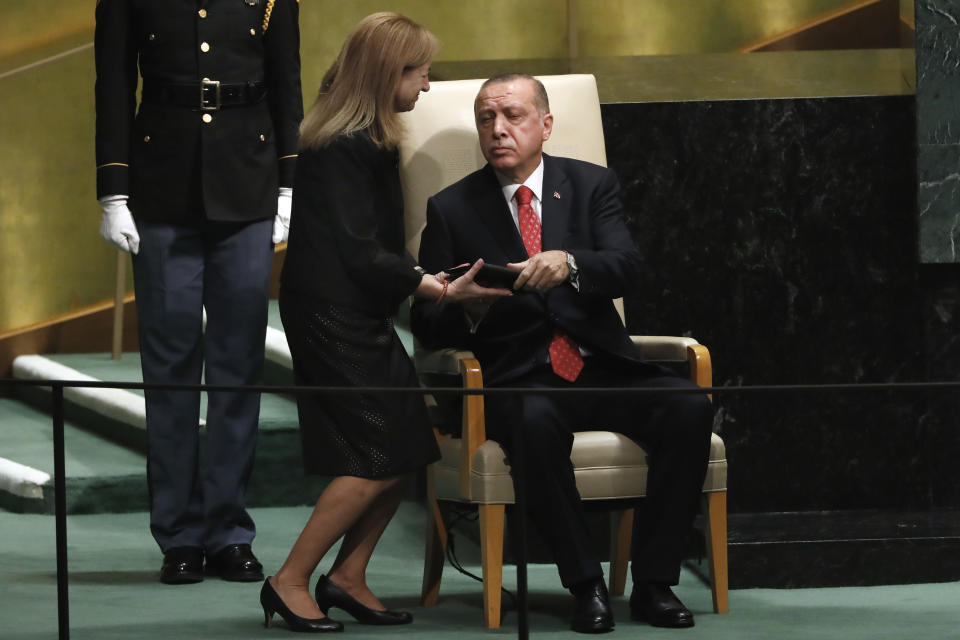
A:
412	82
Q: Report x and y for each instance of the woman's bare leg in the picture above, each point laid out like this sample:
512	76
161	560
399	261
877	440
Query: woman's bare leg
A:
342	504
349	571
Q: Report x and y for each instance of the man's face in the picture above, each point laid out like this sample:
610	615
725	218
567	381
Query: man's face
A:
511	129
412	82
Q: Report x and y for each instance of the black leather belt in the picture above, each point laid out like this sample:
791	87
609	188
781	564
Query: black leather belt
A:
206	95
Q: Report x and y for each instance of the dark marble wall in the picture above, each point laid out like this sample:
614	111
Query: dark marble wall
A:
783	235
938	129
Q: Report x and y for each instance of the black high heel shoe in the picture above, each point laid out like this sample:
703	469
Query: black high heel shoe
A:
272	603
330	595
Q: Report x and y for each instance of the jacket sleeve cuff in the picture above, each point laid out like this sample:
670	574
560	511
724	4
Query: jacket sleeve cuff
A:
113	178
287	166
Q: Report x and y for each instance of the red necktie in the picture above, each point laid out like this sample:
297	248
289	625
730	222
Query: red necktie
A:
564	353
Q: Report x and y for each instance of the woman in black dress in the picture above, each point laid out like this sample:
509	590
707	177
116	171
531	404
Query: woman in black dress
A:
345	274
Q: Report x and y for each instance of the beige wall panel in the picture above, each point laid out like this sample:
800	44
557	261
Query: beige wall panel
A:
656	27
907	12
489	29
31	24
51	256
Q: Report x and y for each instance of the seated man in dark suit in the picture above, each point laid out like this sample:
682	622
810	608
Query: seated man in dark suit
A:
561	330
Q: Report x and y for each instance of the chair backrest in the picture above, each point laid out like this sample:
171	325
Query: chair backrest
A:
440	145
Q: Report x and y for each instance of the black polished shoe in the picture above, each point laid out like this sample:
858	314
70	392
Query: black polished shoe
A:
182	565
592	613
272	603
656	604
236	563
330	595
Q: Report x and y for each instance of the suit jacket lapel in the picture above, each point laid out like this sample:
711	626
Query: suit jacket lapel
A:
555	206
493	210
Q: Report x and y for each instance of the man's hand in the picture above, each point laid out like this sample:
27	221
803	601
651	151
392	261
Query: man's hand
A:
281	223
117	226
542	272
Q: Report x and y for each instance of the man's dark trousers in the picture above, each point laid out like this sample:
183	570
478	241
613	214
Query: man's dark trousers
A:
675	429
181	270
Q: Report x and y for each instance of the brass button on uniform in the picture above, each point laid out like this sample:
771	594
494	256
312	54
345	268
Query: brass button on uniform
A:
204	47
152	37
262	137
203	13
146	138
207	118
253	32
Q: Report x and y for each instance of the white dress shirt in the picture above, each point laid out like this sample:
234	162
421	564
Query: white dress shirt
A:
534	182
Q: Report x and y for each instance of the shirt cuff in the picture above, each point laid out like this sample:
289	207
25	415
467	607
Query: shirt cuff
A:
473	325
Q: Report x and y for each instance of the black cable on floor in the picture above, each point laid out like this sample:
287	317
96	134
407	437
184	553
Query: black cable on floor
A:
468	515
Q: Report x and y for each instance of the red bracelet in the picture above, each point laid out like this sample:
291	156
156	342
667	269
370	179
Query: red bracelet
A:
442	293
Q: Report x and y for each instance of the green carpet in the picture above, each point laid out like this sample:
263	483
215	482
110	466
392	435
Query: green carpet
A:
114	592
101	475
105	463
273	315
27	438
276	411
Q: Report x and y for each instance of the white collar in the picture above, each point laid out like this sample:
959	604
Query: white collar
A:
534	182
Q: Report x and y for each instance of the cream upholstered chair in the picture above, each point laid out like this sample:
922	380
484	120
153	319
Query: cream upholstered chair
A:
439	148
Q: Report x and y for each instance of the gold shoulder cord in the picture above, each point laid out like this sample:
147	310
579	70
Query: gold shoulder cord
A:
266	16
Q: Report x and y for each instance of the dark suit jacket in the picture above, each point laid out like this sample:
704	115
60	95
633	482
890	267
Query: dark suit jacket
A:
172	164
582	214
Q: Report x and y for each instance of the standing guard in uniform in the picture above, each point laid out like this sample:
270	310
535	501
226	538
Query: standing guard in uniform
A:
194	183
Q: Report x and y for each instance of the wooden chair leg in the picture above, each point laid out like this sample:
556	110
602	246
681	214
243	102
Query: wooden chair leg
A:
716	529
621	531
436	548
491	560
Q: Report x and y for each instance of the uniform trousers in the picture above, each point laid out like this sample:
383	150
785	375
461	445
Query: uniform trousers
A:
675	429
180	271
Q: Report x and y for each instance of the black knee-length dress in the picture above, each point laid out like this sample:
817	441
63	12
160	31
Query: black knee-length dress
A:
344	277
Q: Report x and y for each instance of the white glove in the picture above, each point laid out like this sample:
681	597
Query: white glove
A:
117	226
281	224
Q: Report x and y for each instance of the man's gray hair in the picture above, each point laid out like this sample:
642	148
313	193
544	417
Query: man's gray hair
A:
540	100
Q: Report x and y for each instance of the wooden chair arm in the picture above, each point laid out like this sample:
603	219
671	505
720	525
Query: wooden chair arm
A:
448	362
678	349
663	348
701	367
474	431
440	361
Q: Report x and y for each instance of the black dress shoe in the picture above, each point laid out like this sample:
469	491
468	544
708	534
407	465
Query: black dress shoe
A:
592	613
182	565
235	563
330	595
272	603
655	603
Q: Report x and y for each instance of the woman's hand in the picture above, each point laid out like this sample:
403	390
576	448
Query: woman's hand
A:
476	300
473	296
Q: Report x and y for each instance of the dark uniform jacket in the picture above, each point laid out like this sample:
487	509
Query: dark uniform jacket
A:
582	214
179	159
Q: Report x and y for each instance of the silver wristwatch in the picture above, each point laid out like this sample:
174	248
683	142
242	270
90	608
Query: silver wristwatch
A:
572	265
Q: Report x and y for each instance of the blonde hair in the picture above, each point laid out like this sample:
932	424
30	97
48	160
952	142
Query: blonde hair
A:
359	89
